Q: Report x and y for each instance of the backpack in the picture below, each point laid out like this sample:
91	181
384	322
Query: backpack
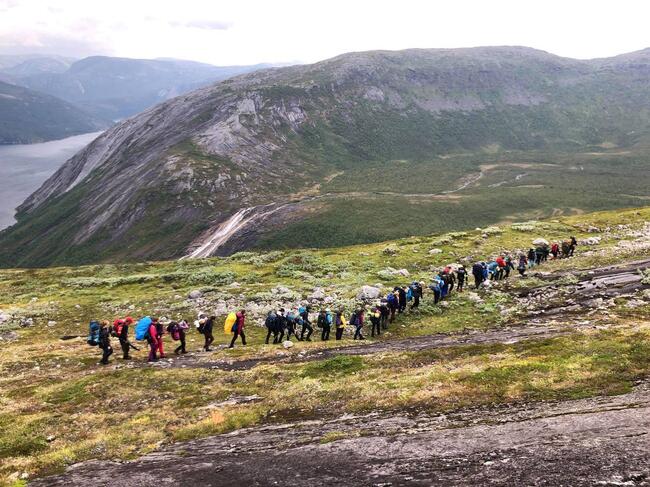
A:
229	324
409	294
117	328
142	328
354	319
93	333
200	325
174	330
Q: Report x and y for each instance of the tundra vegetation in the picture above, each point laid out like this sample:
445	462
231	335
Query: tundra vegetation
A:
59	407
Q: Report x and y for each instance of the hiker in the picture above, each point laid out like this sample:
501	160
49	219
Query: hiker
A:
357	320
555	250
509	265
461	274
401	298
238	328
531	257
375	320
160	331
207	333
183	326
291	325
566	248
415	291
393	303
572	247
385	313
152	340
121	331
105	342
271	326
477	272
486	271
523	264
501	268
306	324
281	325
324	322
340	323
539	254
493	270
436	287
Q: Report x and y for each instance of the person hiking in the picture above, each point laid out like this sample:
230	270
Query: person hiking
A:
375	322
271	327
121	331
105	342
183	326
393	304
451	279
436	287
500	270
152	340
174	331
510	266
572	247
238	328
531	257
523	264
306	324
291	325
555	250
401	298
357	320
385	313
414	293
539	254
281	325
444	284
324	322
477	272
340	323
461	274
160	331
208	327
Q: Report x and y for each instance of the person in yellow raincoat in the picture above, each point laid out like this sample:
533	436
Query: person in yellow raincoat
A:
341	323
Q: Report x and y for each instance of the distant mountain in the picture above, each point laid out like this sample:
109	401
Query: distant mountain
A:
116	88
27	117
362	147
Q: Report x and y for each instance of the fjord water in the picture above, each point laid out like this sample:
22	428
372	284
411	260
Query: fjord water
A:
23	168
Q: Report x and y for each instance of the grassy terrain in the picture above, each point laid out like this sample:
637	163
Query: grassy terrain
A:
59	407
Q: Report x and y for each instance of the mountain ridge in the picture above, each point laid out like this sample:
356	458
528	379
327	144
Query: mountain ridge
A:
262	138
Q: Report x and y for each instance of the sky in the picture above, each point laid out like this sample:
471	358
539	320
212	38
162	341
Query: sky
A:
237	32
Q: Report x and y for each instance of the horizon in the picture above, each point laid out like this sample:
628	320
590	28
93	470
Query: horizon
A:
295	33
299	62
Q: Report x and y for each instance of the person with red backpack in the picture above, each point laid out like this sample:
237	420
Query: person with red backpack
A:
238	328
152	340
181	330
160	331
121	331
555	250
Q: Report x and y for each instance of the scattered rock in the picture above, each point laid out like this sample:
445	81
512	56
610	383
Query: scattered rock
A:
368	292
318	294
25	322
51	323
402	272
196	294
234	400
235	284
50	438
435	251
389	251
287	344
474	298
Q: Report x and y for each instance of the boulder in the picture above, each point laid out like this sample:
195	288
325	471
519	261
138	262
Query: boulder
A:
435	251
287	344
368	293
318	294
196	294
402	272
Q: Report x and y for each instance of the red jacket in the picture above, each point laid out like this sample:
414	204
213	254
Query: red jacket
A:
501	262
153	333
241	319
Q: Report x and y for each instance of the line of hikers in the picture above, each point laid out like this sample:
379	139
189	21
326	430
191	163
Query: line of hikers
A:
297	322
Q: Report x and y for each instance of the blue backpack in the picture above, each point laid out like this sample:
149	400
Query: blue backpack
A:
93	333
142	328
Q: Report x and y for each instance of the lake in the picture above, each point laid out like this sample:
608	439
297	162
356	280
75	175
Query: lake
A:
23	168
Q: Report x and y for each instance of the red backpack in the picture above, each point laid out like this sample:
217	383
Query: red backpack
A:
117	327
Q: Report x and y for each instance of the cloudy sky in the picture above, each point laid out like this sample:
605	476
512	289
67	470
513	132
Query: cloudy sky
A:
227	32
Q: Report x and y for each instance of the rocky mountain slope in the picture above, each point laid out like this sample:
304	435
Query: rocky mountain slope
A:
356	148
27	116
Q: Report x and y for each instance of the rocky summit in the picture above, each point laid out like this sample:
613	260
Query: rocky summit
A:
329	152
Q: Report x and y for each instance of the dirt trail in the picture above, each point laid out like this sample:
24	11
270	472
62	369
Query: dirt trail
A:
597	441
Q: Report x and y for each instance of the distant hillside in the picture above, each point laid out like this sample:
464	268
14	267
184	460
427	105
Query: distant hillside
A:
27	117
116	88
358	148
